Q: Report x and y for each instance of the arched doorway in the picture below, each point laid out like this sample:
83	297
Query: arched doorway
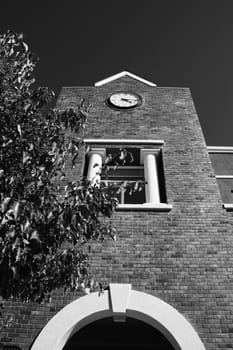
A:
128	335
119	302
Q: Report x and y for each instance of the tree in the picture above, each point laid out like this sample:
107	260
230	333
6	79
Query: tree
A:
44	227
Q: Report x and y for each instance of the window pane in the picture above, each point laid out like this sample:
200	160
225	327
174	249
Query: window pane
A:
124	172
116	188
135	197
222	163
226	187
132	156
125	191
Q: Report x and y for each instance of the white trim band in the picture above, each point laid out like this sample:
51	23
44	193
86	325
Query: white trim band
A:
145	207
228	206
124	141
123	74
224	176
220	149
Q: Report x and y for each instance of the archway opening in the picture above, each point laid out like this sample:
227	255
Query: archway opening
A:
107	334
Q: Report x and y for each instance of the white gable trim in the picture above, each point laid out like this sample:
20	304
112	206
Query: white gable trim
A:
122	74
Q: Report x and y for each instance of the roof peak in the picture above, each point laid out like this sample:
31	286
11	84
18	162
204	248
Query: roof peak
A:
123	74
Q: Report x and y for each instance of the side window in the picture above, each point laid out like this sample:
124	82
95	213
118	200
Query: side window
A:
222	162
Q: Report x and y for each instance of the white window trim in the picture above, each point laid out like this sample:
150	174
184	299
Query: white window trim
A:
147	158
220	149
228	206
124	141
145	206
224	176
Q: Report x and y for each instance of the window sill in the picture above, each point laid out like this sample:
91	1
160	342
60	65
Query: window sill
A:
145	207
228	206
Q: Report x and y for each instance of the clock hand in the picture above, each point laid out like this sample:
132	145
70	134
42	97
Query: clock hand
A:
125	99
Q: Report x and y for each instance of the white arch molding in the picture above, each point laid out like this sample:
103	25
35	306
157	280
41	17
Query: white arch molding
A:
119	301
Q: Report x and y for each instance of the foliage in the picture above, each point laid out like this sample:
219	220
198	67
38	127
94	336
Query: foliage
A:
44	227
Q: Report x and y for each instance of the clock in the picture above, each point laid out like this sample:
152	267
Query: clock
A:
124	100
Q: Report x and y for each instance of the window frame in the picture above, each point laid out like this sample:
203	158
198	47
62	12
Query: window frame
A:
222	149
116	178
146	145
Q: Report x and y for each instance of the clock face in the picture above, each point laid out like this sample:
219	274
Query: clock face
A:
124	100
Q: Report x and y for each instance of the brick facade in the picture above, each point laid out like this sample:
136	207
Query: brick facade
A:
183	256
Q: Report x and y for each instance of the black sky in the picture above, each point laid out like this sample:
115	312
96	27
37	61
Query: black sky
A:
171	42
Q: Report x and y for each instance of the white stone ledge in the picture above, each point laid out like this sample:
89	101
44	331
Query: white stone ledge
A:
224	176
124	141
220	149
145	207
228	206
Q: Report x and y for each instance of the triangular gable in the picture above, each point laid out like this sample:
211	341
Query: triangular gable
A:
123	74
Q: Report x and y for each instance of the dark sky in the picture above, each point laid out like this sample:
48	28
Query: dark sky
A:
170	42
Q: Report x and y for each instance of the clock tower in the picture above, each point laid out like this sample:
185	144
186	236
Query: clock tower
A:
168	277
